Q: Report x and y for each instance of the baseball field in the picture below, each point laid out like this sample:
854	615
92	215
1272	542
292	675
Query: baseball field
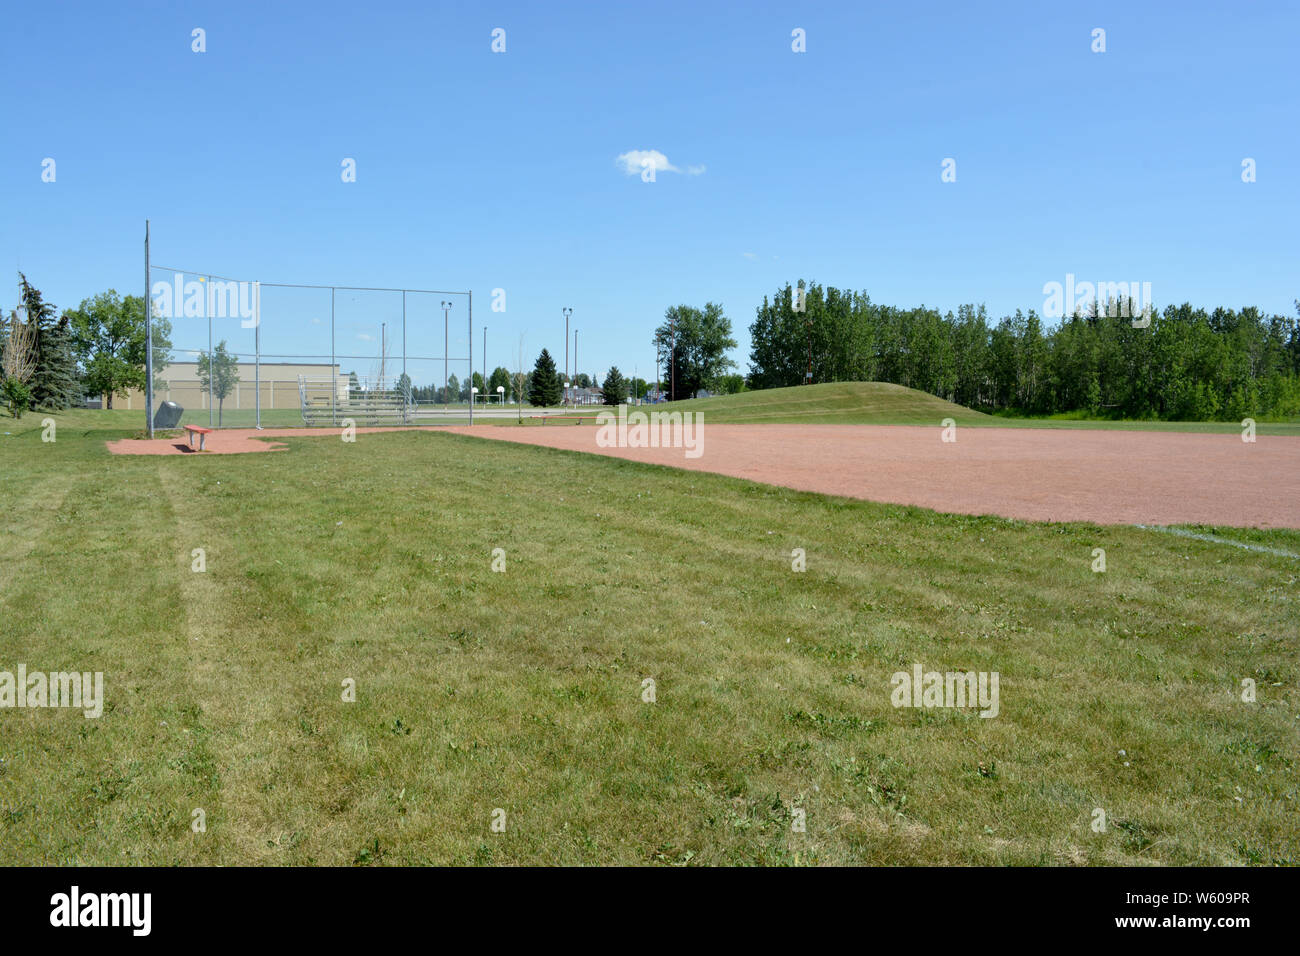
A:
433	646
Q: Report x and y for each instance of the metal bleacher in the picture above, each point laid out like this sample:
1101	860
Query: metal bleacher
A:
323	404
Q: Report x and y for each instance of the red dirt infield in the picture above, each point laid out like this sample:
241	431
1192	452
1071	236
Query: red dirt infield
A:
1035	474
233	441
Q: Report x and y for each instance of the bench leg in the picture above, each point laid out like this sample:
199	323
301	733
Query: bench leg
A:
202	441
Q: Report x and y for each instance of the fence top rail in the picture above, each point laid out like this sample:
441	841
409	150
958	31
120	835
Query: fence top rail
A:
301	285
336	355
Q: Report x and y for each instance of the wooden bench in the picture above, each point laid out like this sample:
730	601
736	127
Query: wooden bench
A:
199	430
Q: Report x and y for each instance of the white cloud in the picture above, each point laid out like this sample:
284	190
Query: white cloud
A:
635	160
364	338
749	255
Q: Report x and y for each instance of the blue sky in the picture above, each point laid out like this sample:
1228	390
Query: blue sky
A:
487	170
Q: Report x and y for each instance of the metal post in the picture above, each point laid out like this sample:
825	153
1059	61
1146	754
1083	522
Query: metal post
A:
257	351
576	366
334	374
148	339
212	365
485	388
672	357
807	379
471	356
406	387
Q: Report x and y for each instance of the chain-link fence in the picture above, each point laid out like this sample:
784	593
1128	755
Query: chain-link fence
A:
243	353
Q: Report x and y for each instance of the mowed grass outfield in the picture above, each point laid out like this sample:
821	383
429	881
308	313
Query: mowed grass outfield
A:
522	690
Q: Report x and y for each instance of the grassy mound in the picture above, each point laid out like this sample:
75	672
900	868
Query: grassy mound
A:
840	403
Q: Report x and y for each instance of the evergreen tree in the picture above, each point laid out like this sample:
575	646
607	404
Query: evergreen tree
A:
544	387
403	388
615	387
54	384
500	377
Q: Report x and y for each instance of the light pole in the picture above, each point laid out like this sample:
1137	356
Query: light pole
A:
672	357
446	346
576	366
808	377
485	359
567	312
148	339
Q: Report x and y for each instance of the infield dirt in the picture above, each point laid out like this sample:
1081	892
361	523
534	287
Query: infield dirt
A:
1106	477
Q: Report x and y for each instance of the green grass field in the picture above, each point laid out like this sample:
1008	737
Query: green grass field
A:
522	690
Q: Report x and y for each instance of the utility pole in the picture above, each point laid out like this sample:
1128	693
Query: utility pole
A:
672	357
148	339
446	347
808	378
485	361
567	312
576	366
469	298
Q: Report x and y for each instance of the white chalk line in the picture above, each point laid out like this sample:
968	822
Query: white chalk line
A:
1182	533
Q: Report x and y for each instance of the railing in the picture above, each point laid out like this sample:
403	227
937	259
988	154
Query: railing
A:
365	406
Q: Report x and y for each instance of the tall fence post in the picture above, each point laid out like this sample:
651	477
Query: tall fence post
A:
257	351
212	366
334	378
148	339
404	383
471	357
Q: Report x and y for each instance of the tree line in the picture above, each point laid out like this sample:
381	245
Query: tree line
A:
1106	360
50	361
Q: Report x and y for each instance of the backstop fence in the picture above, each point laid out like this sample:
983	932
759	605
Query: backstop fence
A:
241	353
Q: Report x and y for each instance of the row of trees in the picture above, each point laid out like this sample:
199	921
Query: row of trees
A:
454	391
1186	364
512	385
545	386
691	349
50	361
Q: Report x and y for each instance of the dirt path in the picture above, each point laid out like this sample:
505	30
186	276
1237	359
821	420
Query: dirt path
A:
234	441
1039	474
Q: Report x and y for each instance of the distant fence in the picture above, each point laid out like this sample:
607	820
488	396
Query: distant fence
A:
274	394
279	337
